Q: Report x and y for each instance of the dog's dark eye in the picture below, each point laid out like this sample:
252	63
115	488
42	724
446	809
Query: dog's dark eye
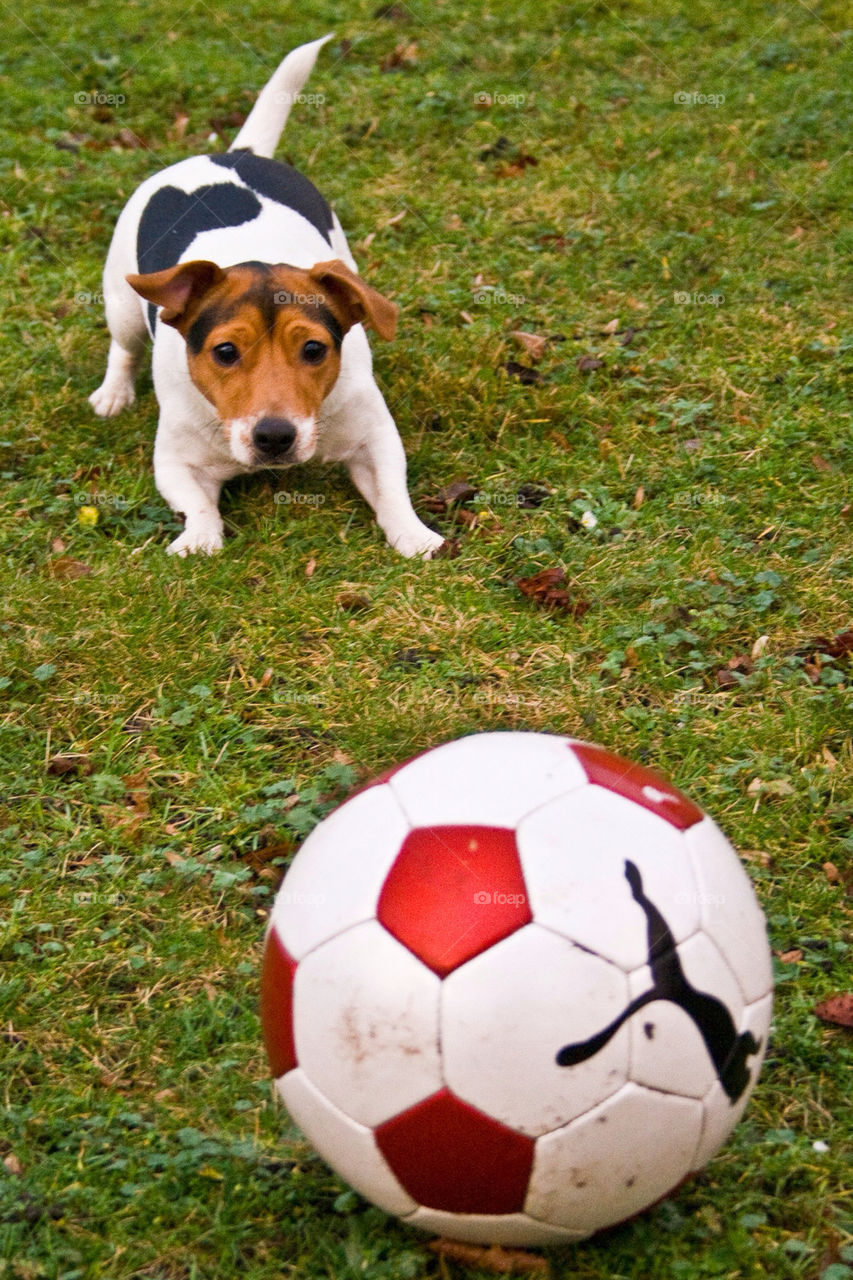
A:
225	353
313	352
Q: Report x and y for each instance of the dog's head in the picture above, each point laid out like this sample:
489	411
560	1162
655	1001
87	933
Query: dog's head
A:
264	344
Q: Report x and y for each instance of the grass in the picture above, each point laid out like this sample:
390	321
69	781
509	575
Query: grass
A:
712	444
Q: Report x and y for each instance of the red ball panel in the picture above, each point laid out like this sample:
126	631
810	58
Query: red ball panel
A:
454	891
449	1156
277	976
639	784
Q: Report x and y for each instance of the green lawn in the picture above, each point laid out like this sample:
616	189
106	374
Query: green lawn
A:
683	230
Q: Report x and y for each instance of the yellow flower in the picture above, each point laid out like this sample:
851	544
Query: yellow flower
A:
88	515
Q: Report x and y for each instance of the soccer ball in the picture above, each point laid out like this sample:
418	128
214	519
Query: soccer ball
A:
516	990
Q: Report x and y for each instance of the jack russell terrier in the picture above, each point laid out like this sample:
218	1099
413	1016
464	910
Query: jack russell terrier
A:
256	309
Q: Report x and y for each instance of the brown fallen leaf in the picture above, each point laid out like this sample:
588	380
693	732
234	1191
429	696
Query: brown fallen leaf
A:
310	566
545	589
494	1258
837	1010
533	343
821	464
587	363
352	601
835	647
639	498
66	567
451	495
611	326
789	957
63	764
527	377
403	55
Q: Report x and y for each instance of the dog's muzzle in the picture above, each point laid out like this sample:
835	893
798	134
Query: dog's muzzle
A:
273	438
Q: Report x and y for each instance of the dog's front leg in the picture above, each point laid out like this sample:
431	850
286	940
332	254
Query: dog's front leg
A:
195	494
378	470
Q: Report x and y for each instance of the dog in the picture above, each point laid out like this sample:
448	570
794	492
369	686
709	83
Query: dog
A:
239	271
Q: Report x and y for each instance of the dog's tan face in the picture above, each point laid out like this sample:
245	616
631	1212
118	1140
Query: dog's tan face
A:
264	344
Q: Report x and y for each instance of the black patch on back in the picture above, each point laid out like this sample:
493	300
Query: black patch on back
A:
173	218
281	183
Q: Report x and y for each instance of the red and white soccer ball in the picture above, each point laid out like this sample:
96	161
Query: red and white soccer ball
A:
516	990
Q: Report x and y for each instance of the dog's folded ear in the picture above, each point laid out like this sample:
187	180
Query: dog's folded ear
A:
356	301
177	288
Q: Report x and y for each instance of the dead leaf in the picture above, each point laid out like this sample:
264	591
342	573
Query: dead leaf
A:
68	568
789	957
61	765
403	55
821	464
12	1165
466	317
310	566
773	787
611	326
527	377
533	343
832	873
352	601
494	1258
639	498
545	589
452	494
837	1010
759	646
178	127
587	363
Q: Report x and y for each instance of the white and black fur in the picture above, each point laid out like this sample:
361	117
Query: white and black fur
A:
237	207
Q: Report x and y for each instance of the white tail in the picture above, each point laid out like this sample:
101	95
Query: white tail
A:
268	116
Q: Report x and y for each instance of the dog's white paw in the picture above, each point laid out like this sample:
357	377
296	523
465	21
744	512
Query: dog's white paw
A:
111	397
418	541
206	538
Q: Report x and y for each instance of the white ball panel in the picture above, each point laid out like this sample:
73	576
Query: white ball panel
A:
730	911
614	1161
365	1015
350	1148
336	877
573	853
675	1058
486	1228
506	1014
489	778
720	1116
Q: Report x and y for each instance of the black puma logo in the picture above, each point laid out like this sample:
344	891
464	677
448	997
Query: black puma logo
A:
728	1050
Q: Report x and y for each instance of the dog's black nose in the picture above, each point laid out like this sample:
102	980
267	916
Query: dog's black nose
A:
273	437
